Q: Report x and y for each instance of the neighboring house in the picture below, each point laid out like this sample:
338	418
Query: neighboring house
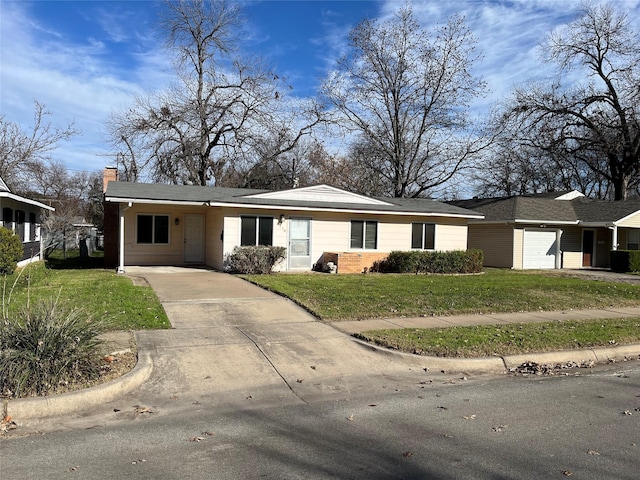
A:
150	224
22	216
556	230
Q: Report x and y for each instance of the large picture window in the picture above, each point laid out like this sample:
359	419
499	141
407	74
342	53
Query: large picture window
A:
153	229
423	236
364	234
633	240
256	231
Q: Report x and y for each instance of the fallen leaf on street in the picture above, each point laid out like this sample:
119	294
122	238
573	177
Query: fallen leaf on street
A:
7	424
208	434
567	473
469	417
196	439
499	428
140	410
407	454
593	452
350	418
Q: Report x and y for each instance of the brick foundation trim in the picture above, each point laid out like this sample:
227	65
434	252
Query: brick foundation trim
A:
353	262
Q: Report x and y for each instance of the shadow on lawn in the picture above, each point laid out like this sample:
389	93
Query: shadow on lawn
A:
72	260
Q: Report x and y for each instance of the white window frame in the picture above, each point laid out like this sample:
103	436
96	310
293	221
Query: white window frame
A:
424	236
153	228
363	244
259	219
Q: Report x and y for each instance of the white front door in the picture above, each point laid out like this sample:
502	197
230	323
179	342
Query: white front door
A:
299	243
194	239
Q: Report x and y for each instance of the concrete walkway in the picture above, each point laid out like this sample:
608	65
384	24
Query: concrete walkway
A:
359	326
233	343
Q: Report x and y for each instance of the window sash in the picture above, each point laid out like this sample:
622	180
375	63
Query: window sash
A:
152	229
423	236
364	234
633	240
256	231
265	231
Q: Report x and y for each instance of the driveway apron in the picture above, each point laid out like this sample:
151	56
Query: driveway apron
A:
232	341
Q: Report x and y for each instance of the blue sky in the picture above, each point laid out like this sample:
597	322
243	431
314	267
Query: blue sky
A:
83	59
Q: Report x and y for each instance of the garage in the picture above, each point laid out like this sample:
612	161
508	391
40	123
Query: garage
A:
539	249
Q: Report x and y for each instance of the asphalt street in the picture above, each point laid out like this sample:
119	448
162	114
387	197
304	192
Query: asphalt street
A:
584	425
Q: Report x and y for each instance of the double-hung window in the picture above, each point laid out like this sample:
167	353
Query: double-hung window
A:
423	236
256	231
633	240
364	234
153	229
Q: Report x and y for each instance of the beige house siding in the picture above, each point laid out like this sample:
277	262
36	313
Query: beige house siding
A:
571	246
633	221
496	241
518	245
331	232
214	226
162	254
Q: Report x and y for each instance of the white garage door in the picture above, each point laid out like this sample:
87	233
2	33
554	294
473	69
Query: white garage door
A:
539	249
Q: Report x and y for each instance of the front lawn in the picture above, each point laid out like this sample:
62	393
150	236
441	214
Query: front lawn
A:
342	297
511	339
101	294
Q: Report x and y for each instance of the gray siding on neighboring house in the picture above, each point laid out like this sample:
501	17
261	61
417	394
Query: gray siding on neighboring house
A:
496	241
603	247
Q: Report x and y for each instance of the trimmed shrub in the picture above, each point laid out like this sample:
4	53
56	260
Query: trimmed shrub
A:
418	261
255	259
44	349
11	251
623	261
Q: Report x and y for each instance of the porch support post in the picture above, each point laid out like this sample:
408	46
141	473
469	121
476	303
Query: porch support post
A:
558	250
121	241
614	237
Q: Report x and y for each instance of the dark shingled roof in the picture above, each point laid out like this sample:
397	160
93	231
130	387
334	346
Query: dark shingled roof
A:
125	191
545	208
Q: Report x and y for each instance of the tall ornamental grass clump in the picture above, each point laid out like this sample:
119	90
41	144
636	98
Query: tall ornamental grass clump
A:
45	348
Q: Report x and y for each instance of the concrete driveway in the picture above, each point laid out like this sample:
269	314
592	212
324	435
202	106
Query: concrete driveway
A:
234	342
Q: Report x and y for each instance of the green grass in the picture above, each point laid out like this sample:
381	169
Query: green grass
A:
490	340
101	293
341	297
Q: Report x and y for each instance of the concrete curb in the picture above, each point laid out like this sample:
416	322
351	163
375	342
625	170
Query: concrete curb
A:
504	364
63	404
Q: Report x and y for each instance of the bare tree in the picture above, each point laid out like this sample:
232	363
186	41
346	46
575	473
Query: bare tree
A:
535	163
596	122
24	151
405	92
191	132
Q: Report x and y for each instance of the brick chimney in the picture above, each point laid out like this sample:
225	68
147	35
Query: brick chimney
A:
110	174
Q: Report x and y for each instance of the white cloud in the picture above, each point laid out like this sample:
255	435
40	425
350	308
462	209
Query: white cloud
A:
80	82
